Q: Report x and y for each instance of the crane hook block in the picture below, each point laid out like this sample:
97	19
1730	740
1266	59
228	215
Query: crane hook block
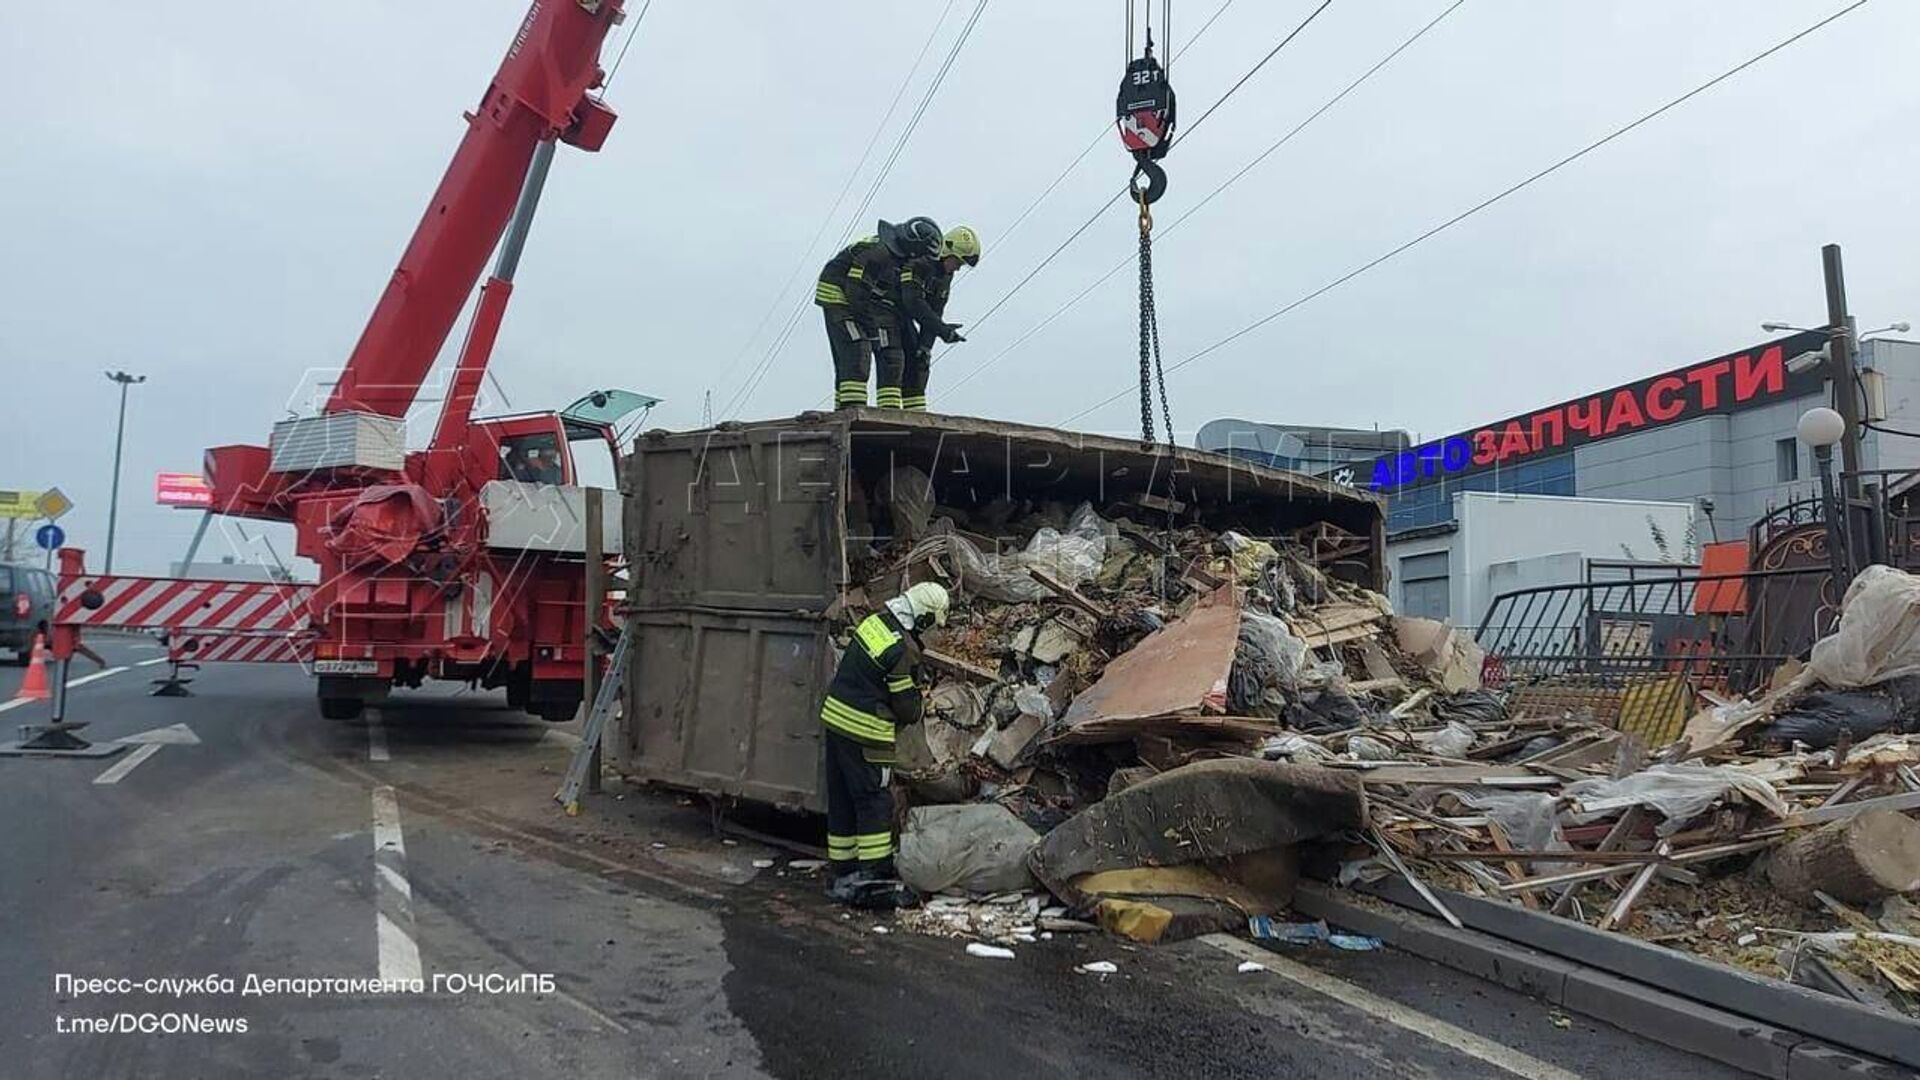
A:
1145	115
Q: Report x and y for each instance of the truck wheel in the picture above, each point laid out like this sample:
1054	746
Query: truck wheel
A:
341	708
517	691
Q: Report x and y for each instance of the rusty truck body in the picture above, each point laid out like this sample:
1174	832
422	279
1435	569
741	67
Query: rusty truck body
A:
743	542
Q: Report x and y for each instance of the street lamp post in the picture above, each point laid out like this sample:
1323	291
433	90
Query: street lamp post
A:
1819	428
119	440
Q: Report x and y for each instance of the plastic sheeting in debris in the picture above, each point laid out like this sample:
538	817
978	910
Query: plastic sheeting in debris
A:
1072	557
977	848
1879	633
1268	657
1679	792
1528	818
1818	718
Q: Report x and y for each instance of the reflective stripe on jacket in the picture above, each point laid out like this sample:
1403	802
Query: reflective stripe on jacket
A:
874	688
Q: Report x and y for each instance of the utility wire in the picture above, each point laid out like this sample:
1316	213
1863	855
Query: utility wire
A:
1209	197
1126	189
826	222
766	363
1482	205
1189	129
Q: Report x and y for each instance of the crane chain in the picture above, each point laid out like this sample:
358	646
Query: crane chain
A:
1152	373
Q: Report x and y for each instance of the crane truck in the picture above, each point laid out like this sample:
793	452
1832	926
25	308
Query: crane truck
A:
462	560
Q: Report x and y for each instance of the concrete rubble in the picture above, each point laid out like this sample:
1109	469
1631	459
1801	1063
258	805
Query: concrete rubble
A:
1188	719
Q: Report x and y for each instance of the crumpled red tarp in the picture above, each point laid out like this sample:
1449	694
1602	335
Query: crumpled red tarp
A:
384	522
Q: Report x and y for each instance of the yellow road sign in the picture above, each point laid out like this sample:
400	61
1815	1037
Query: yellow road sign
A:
20	504
52	503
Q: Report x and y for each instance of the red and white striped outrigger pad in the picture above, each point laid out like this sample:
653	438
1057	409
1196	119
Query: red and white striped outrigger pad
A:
235	621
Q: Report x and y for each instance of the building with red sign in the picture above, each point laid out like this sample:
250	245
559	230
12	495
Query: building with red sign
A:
1716	438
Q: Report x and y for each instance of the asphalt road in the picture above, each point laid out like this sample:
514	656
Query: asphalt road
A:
251	852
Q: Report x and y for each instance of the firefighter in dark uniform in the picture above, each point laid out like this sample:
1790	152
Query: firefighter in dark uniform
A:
924	287
858	292
875	689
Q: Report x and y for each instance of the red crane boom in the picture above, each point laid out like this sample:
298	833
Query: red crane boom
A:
539	93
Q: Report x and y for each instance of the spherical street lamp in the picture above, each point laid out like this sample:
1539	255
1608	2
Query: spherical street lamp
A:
1821	427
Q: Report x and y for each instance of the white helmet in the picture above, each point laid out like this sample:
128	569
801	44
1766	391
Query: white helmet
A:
929	601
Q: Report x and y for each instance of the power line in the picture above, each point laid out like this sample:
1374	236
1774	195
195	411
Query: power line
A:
766	363
1271	53
1482	205
1209	197
1125	190
833	209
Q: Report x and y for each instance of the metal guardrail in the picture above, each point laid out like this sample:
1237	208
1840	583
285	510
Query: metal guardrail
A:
1636	654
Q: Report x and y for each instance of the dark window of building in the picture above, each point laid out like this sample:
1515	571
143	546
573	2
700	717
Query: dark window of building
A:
1432	503
1424	586
1786	460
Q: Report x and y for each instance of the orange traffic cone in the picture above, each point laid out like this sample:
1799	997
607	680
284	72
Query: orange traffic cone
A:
34	686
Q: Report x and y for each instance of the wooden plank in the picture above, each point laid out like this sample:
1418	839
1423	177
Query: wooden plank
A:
1318	640
959	666
1368	686
1068	593
1514	870
1458	775
1412	703
1908	801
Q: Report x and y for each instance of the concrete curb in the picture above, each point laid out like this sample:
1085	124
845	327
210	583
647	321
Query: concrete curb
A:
1678	1022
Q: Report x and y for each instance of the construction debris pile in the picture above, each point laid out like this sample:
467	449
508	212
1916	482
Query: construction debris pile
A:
1164	728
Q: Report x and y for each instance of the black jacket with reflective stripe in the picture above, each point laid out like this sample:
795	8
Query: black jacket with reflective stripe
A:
875	680
865	277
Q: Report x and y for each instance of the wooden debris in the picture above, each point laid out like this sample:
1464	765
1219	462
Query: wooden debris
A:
1908	801
1859	859
959	666
1068	593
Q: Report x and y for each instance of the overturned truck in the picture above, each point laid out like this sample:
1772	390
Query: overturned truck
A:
749	543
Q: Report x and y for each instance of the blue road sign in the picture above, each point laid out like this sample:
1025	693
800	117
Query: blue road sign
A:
50	536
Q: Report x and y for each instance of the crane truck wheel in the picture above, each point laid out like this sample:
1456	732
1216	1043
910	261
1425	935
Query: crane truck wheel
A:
341	708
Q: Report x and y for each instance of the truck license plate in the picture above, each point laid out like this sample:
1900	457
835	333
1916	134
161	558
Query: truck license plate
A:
346	667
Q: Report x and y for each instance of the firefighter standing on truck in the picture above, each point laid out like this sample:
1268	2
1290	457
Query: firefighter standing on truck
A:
875	689
858	292
925	284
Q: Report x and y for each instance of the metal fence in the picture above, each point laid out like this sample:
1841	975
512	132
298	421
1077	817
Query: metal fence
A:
1639	654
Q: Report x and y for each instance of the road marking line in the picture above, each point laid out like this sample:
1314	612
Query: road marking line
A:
127	764
96	676
14	703
376	736
1466	1042
150	663
392	896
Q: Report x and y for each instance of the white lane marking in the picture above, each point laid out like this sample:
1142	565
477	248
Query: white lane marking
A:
150	663
14	703
392	896
1466	1042
127	764
95	677
376	736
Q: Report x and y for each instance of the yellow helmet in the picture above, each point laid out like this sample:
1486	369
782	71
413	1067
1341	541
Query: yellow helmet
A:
929	600
962	243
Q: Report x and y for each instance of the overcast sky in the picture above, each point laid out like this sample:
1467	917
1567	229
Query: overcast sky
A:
214	195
